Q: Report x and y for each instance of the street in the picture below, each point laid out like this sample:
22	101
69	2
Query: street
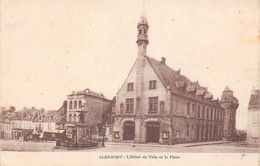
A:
231	147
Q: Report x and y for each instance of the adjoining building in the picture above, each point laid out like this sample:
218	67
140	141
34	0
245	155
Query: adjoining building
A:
159	104
253	124
86	115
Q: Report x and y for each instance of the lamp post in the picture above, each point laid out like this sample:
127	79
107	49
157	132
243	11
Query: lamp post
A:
103	134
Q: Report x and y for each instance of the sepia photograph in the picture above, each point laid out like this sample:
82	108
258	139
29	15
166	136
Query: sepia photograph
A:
145	81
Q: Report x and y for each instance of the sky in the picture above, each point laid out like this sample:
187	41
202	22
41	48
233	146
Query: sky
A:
50	48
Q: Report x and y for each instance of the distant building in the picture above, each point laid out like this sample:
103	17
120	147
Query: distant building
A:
159	104
110	118
253	123
51	124
22	124
86	115
7	129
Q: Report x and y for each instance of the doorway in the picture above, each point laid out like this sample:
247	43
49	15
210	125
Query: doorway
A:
129	130
153	132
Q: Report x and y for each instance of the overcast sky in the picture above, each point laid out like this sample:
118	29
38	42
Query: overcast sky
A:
50	48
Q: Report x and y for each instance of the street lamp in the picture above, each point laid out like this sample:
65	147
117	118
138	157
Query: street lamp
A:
103	134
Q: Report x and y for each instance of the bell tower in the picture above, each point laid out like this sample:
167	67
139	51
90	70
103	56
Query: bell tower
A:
142	36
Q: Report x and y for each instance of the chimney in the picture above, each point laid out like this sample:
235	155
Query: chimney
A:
163	60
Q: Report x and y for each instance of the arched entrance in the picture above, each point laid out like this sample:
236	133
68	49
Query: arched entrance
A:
129	130
152	132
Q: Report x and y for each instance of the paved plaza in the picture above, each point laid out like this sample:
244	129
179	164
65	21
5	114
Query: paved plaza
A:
209	147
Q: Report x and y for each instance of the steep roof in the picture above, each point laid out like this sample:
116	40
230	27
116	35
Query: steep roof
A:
174	79
254	100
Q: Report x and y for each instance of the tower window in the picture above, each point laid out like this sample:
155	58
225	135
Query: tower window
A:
152	84
140	32
130	86
145	31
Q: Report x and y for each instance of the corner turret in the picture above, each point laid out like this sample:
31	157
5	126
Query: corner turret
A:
230	104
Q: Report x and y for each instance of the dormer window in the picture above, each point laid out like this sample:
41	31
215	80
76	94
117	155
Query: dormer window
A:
152	84
130	87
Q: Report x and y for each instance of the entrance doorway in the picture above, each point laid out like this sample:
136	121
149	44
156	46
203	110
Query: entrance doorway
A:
129	130
153	132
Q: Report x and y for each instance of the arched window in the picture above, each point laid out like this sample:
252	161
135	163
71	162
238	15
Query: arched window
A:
140	31
75	104
80	103
70	105
81	117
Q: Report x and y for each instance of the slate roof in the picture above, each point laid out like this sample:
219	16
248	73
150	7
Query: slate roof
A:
89	93
174	79
254	100
53	116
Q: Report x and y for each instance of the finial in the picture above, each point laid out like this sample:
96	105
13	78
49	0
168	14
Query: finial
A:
143	14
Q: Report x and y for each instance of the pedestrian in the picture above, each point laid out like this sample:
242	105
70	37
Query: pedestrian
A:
41	137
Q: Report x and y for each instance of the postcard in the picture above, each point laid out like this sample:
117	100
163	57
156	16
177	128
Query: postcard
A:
142	82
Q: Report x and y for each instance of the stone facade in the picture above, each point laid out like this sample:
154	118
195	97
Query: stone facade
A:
86	112
253	125
158	104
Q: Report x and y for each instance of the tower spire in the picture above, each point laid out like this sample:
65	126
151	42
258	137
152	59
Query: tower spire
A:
142	36
143	14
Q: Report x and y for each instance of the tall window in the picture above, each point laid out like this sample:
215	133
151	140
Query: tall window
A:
198	115
140	31
203	112
145	31
75	104
153	104
194	109
211	113
130	86
80	104
207	113
70	105
188	108
215	114
129	105
188	129
152	84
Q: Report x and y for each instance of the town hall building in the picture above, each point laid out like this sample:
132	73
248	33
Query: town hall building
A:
159	104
